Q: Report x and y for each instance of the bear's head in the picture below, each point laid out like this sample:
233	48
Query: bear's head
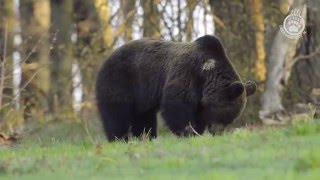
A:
224	95
225	105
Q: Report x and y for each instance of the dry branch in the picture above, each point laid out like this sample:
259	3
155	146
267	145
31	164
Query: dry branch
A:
303	57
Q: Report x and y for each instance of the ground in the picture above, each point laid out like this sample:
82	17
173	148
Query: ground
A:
289	152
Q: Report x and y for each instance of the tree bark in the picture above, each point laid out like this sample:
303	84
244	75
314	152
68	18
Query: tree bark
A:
35	83
151	19
7	27
90	48
305	76
61	57
128	10
258	23
281	53
233	27
191	4
103	10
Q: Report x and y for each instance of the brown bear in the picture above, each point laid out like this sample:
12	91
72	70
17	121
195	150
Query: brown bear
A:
193	85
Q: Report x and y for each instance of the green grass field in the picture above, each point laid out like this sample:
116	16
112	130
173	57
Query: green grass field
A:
290	152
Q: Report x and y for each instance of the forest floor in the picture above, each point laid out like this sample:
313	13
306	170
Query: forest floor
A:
72	151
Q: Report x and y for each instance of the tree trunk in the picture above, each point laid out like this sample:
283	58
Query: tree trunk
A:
90	48
35	83
7	26
102	7
151	19
128	10
305	76
191	4
233	27
282	52
258	23
61	57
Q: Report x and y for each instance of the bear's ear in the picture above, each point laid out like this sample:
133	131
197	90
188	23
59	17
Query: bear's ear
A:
251	87
234	90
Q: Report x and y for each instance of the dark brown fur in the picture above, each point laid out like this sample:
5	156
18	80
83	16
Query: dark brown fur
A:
145	76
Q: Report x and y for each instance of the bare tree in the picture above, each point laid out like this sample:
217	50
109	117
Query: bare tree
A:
233	27
128	10
104	13
282	51
305	74
35	84
61	57
7	25
189	25
258	23
151	19
90	46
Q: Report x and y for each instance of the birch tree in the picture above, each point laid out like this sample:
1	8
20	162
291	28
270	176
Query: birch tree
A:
281	53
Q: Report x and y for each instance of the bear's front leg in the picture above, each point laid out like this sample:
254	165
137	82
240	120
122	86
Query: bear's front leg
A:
179	118
179	104
200	124
178	115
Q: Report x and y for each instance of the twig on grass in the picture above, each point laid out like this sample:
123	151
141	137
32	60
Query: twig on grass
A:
194	131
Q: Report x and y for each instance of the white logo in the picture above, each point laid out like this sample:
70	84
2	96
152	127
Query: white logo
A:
293	25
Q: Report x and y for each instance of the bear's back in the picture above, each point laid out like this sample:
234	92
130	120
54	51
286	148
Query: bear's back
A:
146	53
139	69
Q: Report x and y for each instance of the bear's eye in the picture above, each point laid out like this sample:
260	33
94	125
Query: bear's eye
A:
208	65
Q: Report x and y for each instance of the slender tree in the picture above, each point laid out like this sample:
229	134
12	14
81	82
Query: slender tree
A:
7	26
232	25
90	46
189	25
61	56
35	23
151	19
258	24
128	10
102	7
282	51
305	75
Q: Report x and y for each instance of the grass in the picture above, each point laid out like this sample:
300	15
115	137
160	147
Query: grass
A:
291	152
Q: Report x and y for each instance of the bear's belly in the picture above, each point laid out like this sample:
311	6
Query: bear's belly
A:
145	107
146	100
147	89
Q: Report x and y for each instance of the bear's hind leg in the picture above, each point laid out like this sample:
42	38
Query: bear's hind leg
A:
116	118
145	123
